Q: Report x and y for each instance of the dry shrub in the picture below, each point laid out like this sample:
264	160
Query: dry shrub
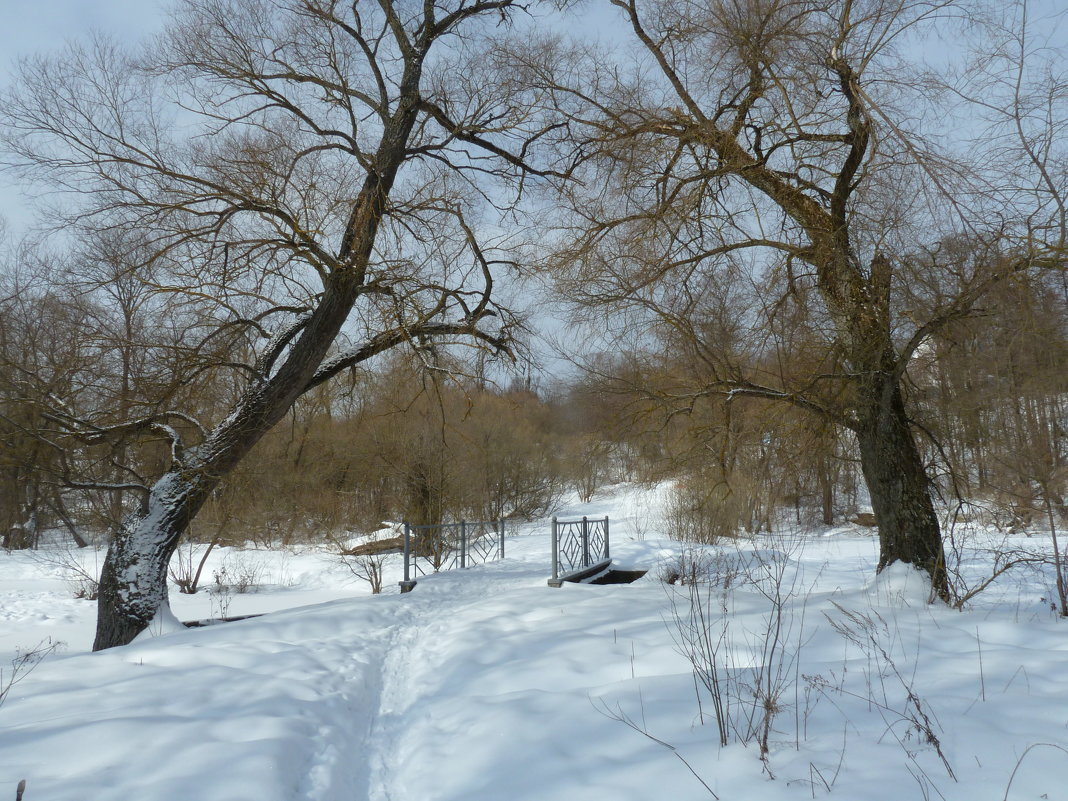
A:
699	513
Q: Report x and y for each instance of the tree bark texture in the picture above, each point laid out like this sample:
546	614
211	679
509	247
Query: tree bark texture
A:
900	488
133	580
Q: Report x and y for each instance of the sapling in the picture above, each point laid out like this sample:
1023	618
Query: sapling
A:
186	574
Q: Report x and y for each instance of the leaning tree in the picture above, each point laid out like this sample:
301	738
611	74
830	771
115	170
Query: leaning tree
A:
796	195
310	181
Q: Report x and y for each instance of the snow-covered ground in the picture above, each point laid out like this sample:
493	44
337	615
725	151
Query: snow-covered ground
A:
486	684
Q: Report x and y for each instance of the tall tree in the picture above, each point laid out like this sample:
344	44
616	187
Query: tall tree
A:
764	164
307	174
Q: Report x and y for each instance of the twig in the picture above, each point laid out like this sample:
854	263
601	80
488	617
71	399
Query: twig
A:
1023	756
620	716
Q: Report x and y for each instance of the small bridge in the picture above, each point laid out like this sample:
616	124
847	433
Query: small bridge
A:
580	549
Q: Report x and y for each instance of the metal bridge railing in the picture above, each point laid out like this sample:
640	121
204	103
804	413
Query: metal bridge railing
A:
447	546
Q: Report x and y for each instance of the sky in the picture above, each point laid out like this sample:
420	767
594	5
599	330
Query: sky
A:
42	26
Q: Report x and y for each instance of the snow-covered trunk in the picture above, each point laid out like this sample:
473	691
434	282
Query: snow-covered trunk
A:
899	486
22	529
133	581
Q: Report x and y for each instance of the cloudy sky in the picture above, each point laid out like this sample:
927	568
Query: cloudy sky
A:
41	26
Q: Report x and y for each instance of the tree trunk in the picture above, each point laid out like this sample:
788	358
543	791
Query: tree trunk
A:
60	511
827	493
900	489
133	580
23	530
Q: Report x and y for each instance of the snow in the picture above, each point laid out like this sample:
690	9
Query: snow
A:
165	622
486	684
899	585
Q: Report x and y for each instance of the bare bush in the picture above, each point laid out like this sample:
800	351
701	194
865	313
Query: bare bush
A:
702	514
367	561
746	674
236	576
998	557
239	576
82	581
187	567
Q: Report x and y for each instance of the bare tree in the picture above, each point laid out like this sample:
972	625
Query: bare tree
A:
43	356
308	177
785	166
84	347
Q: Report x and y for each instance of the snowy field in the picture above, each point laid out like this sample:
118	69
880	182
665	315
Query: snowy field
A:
487	685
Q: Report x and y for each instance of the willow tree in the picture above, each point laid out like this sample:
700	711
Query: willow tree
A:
785	193
309	178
